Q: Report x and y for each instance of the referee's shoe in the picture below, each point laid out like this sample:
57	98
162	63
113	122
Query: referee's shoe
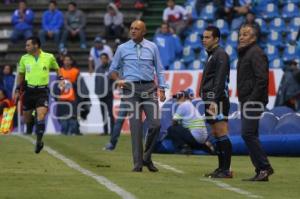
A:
38	147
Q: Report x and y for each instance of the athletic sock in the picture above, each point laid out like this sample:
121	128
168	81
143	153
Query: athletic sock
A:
40	129
226	151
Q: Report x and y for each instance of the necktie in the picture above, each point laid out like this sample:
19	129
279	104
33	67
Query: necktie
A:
138	50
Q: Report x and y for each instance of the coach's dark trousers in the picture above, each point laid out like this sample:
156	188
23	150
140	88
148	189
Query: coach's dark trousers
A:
142	97
250	124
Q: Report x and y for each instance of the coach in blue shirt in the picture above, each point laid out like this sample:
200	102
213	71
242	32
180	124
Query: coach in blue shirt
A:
139	62
52	23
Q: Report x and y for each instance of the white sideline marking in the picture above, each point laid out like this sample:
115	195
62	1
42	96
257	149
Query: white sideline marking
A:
168	167
230	188
218	183
100	179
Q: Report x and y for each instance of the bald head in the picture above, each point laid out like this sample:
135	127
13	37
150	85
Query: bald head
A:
137	30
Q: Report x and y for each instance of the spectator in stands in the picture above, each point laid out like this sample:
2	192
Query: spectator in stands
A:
104	90
62	52
236	11
168	44
52	23
188	130
218	4
289	89
22	20
67	96
74	25
113	21
99	48
8	79
139	4
176	16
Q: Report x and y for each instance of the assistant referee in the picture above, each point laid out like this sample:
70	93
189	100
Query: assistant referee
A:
33	77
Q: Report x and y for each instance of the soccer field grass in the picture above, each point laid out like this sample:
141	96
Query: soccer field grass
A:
25	175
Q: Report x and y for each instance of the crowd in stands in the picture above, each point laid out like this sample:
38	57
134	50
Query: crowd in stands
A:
178	38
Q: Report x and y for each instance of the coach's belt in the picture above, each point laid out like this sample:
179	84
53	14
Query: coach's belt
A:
32	86
143	82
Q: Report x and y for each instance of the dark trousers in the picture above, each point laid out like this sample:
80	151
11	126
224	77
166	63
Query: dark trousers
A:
106	106
250	135
143	100
182	136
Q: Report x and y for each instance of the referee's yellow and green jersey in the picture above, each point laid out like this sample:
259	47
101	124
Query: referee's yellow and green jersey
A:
37	69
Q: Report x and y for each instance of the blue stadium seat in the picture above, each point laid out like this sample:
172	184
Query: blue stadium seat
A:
275	39
208	12
177	65
290	53
281	110
233	64
199	104
231	52
278	25
276	63
195	65
288	124
190	9
188	54
193	40
263	25
223	26
291	1
294	24
272	52
199	26
203	56
232	39
290	10
291	36
267	123
270	11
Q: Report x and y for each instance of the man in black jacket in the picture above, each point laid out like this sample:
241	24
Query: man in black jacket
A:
214	92
252	88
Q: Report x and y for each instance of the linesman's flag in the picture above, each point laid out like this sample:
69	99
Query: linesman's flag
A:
7	120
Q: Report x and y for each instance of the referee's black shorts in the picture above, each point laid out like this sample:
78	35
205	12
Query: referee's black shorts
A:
35	97
222	111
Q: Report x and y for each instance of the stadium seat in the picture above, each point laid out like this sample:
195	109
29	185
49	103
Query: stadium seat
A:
270	11
208	12
294	24
233	64
188	54
195	65
291	1
203	56
276	63
275	39
190	9
177	65
267	123
193	40
290	53
288	124
291	36
232	39
290	10
199	26
281	110
272	52
223	26
263	25
231	52
277	25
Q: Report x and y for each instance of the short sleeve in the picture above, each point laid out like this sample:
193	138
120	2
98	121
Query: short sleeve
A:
53	63
21	68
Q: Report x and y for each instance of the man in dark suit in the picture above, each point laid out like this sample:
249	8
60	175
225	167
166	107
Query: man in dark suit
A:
252	87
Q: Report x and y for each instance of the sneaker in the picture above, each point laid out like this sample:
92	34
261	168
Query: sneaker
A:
209	175
38	147
109	147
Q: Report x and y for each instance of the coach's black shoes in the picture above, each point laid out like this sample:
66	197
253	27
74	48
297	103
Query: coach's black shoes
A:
137	169
38	147
261	176
209	175
150	166
219	173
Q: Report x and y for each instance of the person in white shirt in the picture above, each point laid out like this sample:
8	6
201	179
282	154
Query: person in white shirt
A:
176	16
188	130
99	48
